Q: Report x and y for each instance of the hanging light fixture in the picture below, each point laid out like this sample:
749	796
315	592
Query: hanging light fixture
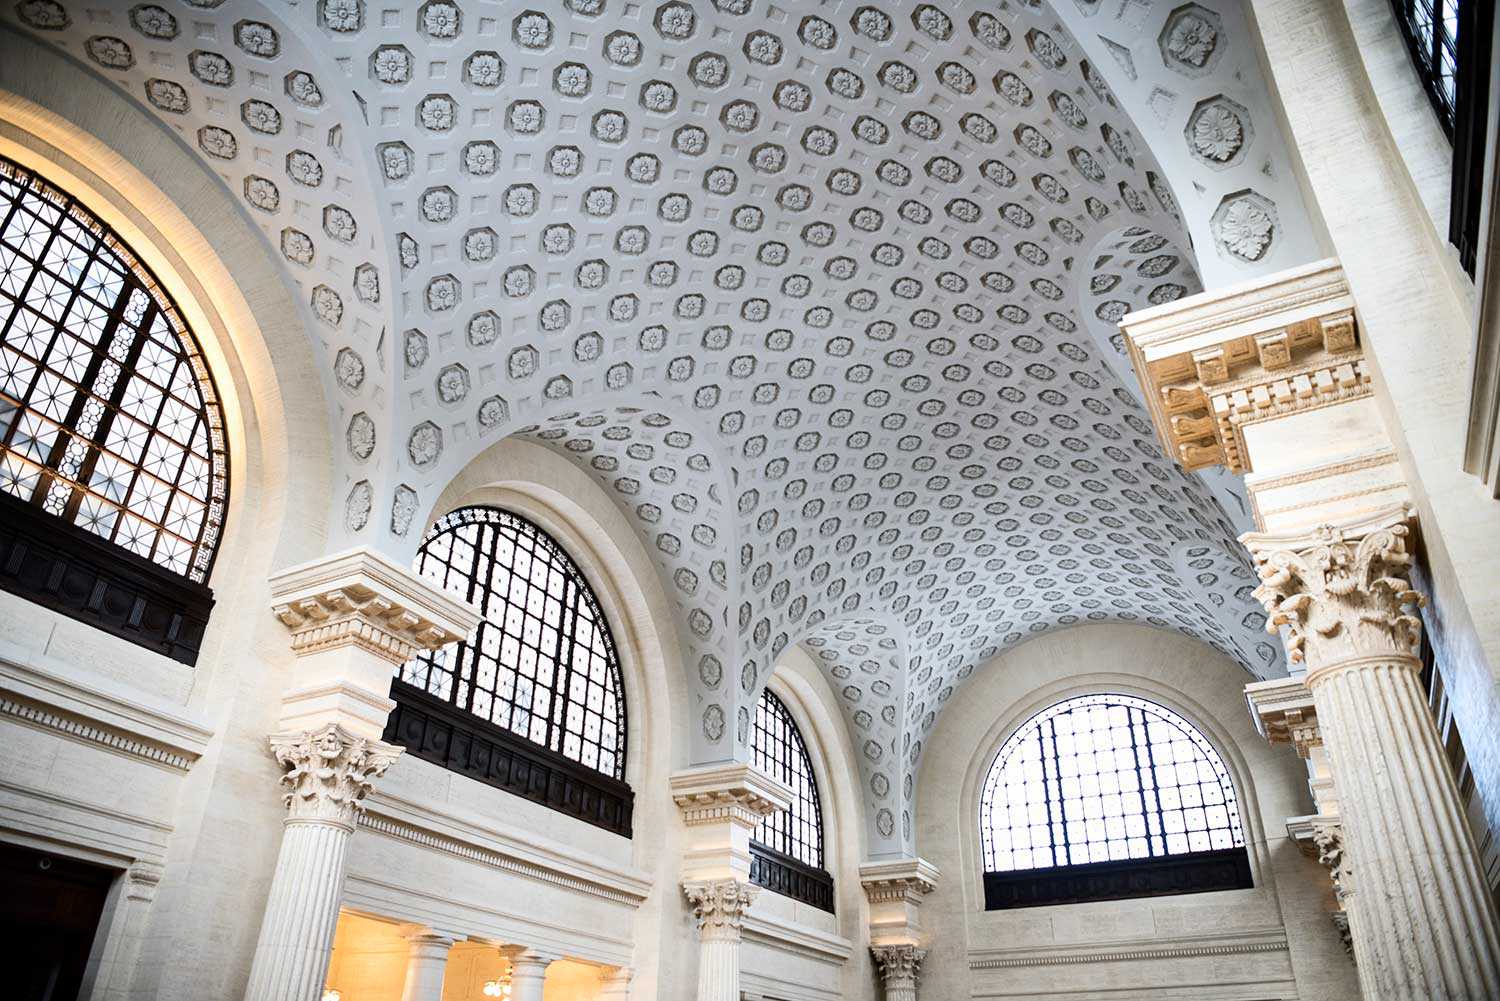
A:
494	988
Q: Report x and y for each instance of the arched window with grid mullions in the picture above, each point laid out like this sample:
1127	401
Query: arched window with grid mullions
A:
1108	796
532	701
787	848
113	468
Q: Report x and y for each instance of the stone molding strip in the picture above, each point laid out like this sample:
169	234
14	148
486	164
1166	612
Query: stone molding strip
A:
51	695
567	873
1249	944
796	938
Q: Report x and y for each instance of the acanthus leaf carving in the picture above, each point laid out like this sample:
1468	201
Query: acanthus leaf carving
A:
329	771
720	906
1340	590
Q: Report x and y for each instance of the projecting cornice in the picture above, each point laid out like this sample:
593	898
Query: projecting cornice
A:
360	598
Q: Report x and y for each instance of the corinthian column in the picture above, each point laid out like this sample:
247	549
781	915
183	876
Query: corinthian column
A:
353	619
899	966
720	906
328	773
1423	923
721	806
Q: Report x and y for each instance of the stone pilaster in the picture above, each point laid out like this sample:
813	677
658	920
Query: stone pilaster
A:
719	906
895	889
899	966
1422	925
426	964
353	618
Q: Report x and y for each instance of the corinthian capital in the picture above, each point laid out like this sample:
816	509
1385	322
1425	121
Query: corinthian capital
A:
329	771
720	905
1341	590
899	964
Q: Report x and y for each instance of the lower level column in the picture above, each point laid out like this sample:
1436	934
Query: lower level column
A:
426	965
328	772
720	906
528	974
899	967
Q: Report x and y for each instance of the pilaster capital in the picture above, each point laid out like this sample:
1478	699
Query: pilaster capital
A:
329	771
359	598
905	880
1328	838
739	793
1284	713
899	964
1341	590
720	906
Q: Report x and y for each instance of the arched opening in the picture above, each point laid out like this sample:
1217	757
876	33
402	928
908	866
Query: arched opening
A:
1108	796
113	457
532	702
787	855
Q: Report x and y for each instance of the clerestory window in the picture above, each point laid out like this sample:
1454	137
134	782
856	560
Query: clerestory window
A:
1106	796
787	848
114	472
532	702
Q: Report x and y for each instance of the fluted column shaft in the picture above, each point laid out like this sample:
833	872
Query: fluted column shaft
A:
426	965
328	773
1423	923
291	958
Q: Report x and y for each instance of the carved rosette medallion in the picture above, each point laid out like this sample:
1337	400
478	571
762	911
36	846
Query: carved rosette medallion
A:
899	965
720	906
329	771
1340	590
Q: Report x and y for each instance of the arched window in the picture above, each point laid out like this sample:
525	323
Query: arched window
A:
532	702
1113	788
113	468
787	848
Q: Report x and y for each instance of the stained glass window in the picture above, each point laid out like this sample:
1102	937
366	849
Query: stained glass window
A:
542	663
777	749
1099	778
108	415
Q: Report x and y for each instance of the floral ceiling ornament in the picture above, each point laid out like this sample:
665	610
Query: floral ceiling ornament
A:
1190	39
1218	132
1244	225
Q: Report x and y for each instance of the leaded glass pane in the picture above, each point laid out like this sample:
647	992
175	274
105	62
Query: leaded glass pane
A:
1104	777
542	663
108	416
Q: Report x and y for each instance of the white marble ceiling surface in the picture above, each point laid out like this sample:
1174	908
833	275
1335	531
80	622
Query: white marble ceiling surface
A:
823	294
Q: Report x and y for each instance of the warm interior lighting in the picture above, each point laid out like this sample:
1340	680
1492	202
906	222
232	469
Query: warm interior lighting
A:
332	995
496	988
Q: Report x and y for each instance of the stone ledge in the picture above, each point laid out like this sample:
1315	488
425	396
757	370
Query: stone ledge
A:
50	694
1242	943
801	939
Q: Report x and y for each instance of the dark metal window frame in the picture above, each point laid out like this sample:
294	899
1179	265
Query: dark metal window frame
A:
787	849
1465	116
46	554
543	633
1072	872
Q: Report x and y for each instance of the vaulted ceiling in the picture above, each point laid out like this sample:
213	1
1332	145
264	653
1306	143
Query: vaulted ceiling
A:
823	294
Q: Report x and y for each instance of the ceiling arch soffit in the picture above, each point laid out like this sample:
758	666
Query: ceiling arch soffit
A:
847	252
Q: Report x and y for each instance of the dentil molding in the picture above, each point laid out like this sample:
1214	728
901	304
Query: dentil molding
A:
360	598
905	880
739	793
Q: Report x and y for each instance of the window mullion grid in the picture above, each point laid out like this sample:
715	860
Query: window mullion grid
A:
1158	813
1044	756
562	677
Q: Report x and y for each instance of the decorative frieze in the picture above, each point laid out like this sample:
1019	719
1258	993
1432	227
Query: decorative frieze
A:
1341	590
329	772
895	889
